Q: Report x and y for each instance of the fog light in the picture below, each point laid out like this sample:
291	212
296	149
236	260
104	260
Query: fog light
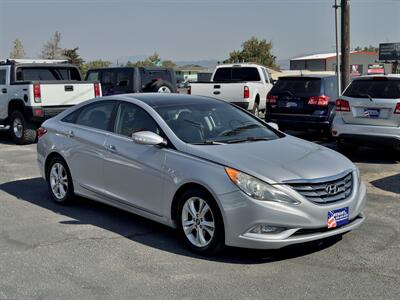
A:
264	229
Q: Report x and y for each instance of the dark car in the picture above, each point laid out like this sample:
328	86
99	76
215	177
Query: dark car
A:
123	80
303	102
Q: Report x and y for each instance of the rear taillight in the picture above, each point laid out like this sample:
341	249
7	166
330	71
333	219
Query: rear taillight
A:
272	99
397	109
38	112
342	105
36	93
246	92
96	87
318	100
189	90
41	132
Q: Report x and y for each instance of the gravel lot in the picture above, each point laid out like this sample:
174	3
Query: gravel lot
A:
92	251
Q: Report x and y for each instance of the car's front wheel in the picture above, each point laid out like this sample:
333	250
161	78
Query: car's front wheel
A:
59	181
200	222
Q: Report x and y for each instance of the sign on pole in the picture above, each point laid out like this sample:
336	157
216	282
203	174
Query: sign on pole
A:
389	51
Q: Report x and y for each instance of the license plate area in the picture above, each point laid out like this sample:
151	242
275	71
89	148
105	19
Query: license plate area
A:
371	113
338	217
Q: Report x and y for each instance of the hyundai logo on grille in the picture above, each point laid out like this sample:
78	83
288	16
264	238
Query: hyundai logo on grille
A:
332	189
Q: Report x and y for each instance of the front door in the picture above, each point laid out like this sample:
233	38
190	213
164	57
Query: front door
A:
4	72
133	173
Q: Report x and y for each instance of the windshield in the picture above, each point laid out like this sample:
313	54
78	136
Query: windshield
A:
379	88
213	123
297	86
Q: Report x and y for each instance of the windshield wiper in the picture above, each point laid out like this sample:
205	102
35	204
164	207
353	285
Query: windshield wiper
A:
362	95
240	128
248	139
206	142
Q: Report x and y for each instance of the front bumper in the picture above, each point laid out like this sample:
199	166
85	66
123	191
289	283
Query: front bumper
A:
303	223
365	133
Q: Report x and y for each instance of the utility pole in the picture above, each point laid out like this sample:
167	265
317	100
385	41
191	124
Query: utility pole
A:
345	58
336	6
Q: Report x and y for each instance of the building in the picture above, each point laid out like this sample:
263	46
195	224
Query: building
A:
189	72
361	63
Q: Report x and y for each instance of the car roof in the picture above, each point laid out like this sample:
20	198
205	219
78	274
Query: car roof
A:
164	99
319	76
384	77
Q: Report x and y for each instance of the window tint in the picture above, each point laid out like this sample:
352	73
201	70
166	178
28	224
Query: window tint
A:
2	76
107	82
150	76
96	115
124	80
377	88
93	76
71	118
131	118
47	73
302	86
331	87
237	74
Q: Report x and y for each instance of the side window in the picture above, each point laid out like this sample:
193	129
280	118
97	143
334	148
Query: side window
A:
2	76
124	80
96	115
131	118
267	76
71	118
93	76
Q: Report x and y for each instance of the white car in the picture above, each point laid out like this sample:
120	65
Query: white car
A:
368	113
32	91
245	85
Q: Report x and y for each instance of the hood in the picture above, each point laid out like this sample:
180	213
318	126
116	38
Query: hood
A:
276	161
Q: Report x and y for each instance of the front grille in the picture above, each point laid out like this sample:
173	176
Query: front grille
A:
327	191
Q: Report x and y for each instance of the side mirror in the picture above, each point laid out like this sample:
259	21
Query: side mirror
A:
148	138
273	125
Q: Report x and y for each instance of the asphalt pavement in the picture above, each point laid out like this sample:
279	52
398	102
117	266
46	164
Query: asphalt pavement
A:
93	251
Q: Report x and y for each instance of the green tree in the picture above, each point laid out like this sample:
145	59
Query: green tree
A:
17	50
256	51
169	64
51	49
73	57
153	60
369	48
94	64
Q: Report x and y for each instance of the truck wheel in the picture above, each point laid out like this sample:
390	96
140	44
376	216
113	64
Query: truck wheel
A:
255	111
22	131
161	86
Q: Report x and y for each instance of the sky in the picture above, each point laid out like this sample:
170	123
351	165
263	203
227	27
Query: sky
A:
185	30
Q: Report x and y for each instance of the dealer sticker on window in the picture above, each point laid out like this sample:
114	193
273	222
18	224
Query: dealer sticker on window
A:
338	217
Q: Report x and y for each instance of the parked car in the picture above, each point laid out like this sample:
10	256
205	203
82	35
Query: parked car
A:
32	91
216	172
245	85
124	80
303	102
368	113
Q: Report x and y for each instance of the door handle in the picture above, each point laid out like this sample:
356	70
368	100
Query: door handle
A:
111	148
4	91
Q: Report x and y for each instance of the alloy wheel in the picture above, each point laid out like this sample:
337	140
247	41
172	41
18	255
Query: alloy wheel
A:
59	181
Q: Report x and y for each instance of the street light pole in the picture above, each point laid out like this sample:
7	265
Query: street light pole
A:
345	43
336	6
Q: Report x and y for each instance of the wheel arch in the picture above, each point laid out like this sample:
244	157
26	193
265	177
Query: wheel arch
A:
15	104
49	158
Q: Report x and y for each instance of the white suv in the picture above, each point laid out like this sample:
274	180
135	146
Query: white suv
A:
368	113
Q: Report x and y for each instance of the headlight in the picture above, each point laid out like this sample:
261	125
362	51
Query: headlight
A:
258	189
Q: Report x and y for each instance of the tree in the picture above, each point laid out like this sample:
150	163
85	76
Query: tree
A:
256	51
370	48
94	64
17	50
51	49
73	57
152	61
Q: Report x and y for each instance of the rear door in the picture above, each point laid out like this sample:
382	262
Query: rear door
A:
291	95
373	101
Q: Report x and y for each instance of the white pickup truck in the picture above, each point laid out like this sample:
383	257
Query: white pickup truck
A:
245	85
32	91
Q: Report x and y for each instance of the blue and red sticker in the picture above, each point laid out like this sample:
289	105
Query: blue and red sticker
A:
338	217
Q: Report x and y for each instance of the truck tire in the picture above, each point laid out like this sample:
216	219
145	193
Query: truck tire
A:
22	131
255	111
161	86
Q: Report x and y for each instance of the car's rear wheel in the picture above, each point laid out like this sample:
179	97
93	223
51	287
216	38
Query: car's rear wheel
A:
22	131
200	222
60	182
162	86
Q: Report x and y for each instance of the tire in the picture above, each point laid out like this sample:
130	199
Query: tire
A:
255	111
161	86
22	131
211	240
59	182
346	148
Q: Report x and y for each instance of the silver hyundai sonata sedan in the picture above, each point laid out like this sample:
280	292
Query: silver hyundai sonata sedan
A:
215	172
